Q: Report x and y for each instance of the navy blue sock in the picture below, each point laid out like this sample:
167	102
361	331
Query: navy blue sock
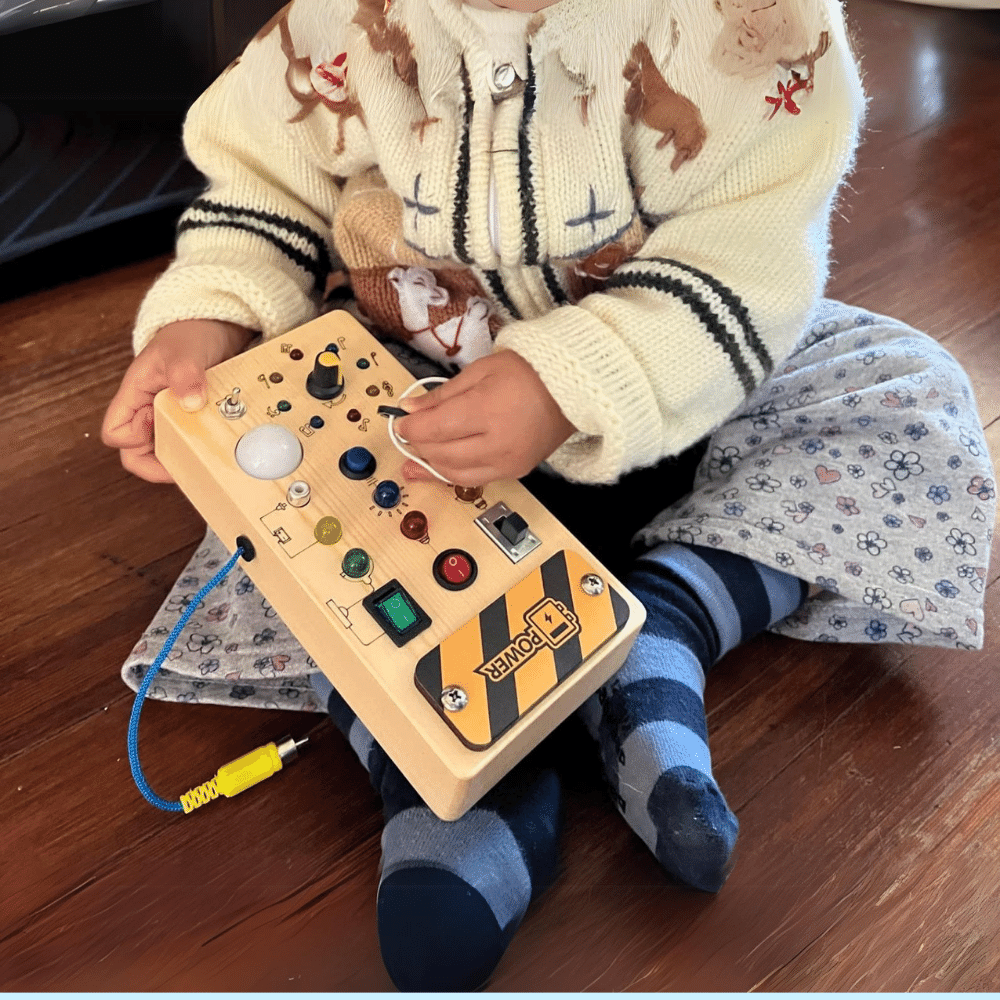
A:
452	894
649	720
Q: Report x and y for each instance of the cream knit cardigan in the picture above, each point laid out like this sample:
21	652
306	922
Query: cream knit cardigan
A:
641	210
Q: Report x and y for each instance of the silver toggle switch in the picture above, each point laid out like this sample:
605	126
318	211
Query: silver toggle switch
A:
232	407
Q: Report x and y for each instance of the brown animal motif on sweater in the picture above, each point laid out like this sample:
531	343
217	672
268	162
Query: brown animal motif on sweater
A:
443	314
314	86
463	337
385	37
589	274
756	35
808	59
421	125
651	99
585	90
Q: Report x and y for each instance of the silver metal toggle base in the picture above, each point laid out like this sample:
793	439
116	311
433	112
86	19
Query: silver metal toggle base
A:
487	521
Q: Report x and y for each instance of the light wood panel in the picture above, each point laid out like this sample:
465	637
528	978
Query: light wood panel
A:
451	757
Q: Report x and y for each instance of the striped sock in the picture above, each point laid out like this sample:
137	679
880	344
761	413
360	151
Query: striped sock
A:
649	720
452	894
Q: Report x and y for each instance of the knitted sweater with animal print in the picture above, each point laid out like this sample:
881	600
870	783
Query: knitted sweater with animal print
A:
634	195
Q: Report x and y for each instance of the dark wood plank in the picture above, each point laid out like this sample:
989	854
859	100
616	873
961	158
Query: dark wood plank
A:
865	779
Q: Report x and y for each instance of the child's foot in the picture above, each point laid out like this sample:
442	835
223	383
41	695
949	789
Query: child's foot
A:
452	894
649	720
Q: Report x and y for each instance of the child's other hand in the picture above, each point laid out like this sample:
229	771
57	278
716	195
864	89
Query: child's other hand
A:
494	420
176	358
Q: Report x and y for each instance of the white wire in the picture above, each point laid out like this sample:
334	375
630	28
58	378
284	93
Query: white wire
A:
399	441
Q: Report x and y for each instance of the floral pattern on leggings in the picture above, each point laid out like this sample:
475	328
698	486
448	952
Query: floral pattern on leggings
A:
234	650
860	466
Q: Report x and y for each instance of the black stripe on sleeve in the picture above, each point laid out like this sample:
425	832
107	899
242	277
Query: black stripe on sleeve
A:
278	221
310	266
733	303
697	305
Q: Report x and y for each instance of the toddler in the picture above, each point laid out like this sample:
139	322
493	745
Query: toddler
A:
609	219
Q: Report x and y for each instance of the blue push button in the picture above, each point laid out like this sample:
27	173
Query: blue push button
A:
357	463
386	494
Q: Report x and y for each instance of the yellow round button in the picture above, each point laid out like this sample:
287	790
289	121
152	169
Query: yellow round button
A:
328	531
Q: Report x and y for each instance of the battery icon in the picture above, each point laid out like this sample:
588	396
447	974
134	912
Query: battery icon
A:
556	623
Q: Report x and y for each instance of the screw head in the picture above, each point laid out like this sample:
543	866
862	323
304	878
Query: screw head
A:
454	699
592	584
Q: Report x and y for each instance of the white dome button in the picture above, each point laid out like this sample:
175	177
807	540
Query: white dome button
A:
268	452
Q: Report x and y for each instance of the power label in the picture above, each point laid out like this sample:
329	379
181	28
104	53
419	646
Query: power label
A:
549	624
520	648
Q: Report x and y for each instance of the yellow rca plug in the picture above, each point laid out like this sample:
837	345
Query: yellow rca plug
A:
243	773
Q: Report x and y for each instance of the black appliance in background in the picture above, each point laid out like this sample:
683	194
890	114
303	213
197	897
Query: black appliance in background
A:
92	98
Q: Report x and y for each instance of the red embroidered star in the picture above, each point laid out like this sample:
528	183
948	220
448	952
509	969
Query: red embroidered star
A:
784	98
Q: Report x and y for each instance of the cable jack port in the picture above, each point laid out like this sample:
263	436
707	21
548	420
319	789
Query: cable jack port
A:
249	552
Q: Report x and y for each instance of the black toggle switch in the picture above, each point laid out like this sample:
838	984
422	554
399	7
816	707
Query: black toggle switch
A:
324	381
513	527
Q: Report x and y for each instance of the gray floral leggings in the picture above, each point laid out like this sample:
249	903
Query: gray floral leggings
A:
860	466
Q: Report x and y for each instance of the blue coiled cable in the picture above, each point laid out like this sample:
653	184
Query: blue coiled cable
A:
140	696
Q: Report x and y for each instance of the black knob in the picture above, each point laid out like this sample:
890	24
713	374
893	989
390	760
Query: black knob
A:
513	527
357	463
324	381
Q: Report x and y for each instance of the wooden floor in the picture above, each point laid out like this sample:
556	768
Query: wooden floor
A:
867	780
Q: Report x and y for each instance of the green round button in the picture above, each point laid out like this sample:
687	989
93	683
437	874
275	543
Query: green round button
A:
357	563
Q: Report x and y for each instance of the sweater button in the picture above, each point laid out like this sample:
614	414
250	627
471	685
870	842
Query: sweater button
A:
504	76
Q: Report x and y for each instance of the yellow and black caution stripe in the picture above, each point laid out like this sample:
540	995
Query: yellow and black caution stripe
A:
519	648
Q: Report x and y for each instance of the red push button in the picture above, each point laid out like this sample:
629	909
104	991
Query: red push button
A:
455	569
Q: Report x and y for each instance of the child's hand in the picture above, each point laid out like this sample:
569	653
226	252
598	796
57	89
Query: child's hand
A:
175	358
494	420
